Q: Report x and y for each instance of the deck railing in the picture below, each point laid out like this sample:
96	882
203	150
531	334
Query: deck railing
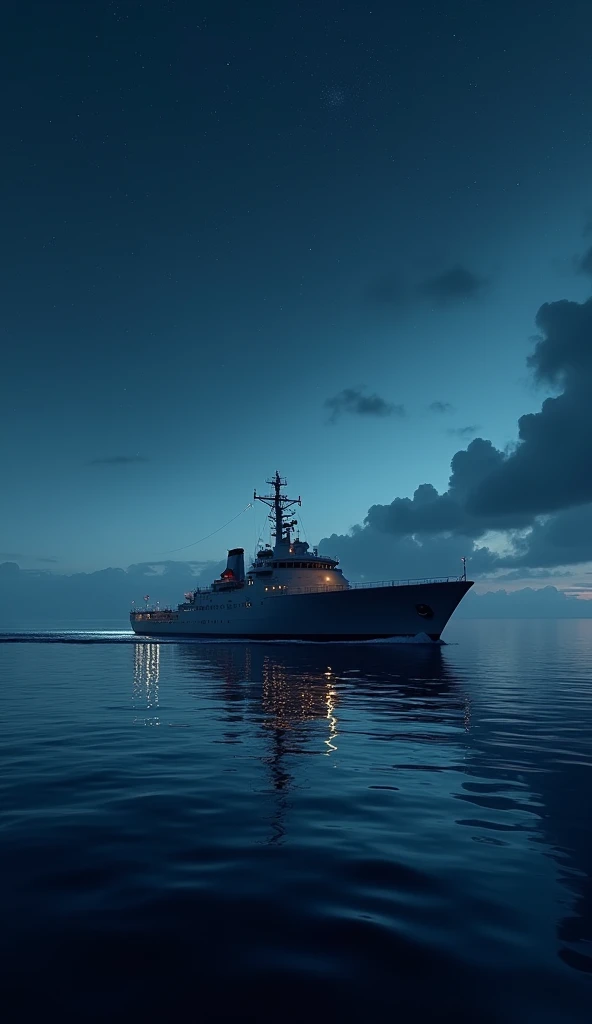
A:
409	582
286	590
330	588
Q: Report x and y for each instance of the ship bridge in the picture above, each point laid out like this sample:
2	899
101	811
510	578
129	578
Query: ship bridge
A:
306	567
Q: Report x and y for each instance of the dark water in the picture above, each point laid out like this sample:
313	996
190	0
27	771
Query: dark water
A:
262	832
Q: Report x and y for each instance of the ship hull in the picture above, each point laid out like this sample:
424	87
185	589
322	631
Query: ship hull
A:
351	614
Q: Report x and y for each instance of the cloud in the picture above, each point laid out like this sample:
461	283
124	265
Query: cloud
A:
9	569
117	460
550	468
429	513
354	402
106	595
440	407
535	497
463	431
455	285
36	596
170	568
561	539
426	535
521	511
521	574
13	556
367	553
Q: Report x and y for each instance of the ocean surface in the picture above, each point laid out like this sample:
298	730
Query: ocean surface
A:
237	831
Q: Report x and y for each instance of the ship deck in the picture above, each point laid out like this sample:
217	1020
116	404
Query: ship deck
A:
287	591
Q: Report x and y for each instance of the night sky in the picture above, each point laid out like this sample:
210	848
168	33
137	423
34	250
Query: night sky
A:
345	240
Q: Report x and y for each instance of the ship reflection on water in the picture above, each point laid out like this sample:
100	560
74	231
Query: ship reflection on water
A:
284	706
292	685
291	695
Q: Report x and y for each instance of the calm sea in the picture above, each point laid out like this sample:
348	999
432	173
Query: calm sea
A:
257	832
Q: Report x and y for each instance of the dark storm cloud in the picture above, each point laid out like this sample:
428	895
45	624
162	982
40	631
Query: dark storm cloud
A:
49	561
117	460
455	285
561	539
407	535
539	492
440	407
426	513
354	402
383	547
429	513
463	431
551	466
369	554
549	469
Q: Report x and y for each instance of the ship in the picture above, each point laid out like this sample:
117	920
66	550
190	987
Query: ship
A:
292	592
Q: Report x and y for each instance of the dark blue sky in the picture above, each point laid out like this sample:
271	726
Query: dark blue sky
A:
216	217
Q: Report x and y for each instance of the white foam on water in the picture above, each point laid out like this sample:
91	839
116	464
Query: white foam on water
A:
419	638
127	636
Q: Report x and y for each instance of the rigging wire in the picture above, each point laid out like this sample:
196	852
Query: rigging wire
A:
201	539
257	531
302	526
259	535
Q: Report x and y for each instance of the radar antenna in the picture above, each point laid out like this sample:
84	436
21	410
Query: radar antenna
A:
279	503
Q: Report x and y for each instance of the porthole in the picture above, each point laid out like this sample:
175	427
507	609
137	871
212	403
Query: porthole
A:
425	611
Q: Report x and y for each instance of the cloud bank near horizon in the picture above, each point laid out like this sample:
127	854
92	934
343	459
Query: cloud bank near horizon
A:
43	599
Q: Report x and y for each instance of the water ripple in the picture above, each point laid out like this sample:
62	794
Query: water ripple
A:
246	831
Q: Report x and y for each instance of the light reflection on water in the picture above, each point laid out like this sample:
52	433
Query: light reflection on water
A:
346	822
146	677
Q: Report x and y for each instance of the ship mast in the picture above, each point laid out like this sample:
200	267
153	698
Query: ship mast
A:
279	504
